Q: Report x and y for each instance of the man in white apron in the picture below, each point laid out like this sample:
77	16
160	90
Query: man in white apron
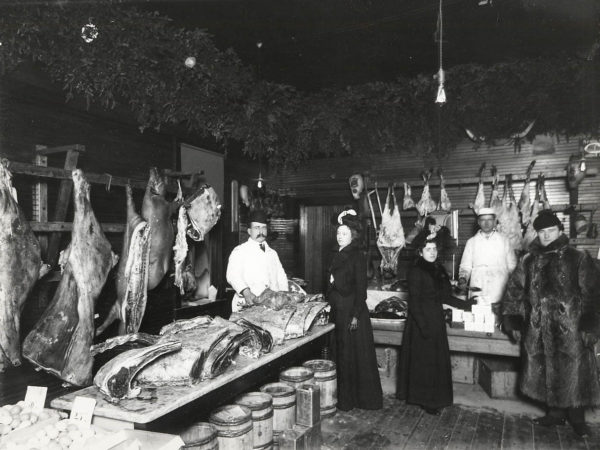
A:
254	266
487	260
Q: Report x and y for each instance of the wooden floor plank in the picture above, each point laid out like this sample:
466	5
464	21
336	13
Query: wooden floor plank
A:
569	440
593	442
441	435
423	431
464	431
488	434
517	433
400	435
545	438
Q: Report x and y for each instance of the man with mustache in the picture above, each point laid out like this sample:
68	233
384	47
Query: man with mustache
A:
254	266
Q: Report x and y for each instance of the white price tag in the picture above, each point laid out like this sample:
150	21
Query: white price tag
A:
83	410
35	397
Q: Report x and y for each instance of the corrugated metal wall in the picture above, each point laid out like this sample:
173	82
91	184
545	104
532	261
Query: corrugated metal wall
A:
325	182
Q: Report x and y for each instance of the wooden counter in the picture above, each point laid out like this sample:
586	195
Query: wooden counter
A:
389	332
130	413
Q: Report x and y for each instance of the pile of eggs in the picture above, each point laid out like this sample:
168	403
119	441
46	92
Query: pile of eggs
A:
57	435
19	415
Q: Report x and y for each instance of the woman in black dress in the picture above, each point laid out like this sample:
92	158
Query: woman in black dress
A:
353	346
425	377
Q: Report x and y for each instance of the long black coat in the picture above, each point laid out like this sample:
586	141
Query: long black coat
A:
425	373
357	374
552	297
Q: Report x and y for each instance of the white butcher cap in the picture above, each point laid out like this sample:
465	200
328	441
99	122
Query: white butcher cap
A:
486	212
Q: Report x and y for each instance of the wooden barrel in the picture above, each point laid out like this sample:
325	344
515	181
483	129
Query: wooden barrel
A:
295	376
284	406
234	427
200	436
326	379
261	405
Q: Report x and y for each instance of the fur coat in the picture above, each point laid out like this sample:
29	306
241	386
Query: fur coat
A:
552	297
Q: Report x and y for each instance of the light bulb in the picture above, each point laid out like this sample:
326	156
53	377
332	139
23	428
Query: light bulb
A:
259	184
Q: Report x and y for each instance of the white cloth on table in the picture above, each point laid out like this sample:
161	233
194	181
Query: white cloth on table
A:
250	267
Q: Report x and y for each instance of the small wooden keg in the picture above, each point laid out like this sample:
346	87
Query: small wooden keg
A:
200	436
261	405
326	379
234	427
284	406
295	376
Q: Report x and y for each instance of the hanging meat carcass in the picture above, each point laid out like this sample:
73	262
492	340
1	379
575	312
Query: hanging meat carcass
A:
20	265
480	196
444	204
525	199
391	234
408	202
426	205
197	216
61	340
495	200
157	211
530	233
509	224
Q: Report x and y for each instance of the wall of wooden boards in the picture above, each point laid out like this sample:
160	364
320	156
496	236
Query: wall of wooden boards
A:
324	183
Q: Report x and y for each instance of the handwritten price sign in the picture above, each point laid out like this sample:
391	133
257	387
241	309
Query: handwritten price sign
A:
83	410
35	397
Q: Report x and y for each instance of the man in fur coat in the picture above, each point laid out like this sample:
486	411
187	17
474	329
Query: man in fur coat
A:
551	303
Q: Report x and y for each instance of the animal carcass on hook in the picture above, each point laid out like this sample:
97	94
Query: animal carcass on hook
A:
145	255
20	264
61	340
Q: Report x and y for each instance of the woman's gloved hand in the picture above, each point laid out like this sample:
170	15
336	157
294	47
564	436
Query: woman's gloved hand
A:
512	326
353	324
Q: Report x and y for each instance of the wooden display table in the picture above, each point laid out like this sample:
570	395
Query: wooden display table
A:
137	412
389	332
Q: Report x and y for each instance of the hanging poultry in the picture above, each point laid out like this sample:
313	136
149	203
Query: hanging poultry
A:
426	205
525	199
495	200
408	202
391	234
530	233
444	204
480	196
509	224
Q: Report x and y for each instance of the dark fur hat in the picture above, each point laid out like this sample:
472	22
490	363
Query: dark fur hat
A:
546	219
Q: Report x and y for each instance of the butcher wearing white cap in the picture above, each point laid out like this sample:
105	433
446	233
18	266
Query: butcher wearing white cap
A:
254	266
487	260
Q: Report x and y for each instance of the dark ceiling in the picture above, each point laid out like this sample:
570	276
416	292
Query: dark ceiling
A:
314	44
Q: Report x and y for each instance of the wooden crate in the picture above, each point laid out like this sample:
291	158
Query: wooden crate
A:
498	376
463	368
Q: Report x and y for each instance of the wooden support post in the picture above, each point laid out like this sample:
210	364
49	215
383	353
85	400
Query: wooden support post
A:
62	202
40	200
573	200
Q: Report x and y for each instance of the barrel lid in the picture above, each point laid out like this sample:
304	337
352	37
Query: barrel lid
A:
230	415
296	374
255	400
198	434
320	365
278	389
